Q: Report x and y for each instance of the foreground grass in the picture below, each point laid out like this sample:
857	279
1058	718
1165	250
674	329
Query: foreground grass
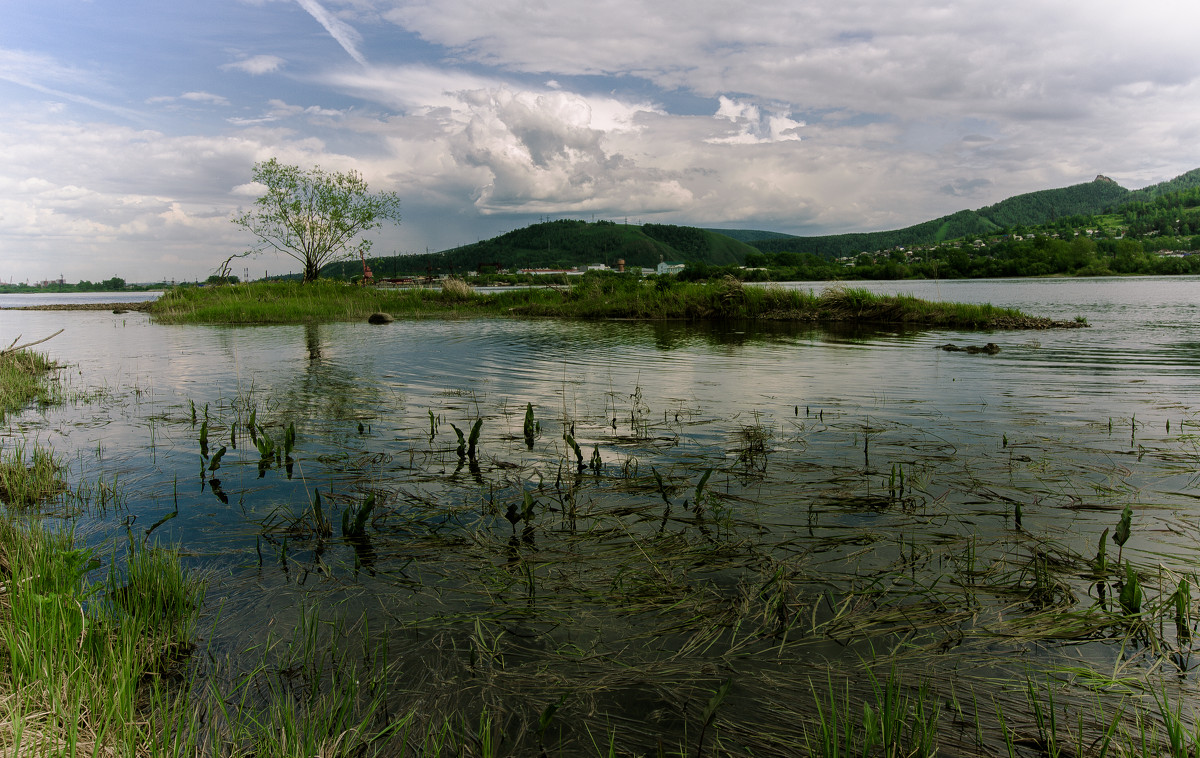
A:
77	653
80	655
610	297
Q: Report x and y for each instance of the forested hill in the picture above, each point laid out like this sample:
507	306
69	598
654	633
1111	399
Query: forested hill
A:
565	244
1031	209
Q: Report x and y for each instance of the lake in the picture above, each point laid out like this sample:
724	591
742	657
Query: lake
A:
781	507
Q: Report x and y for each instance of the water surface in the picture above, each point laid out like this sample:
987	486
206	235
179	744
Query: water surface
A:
860	478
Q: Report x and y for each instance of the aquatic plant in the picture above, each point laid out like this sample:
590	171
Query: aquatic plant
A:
289	440
529	428
1121	535
215	462
204	438
473	438
573	445
462	442
1131	592
354	520
322	526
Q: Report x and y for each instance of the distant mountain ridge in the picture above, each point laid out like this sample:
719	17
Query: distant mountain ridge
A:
1101	195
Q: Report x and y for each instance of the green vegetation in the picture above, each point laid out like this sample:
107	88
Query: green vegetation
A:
23	380
1158	236
1044	207
313	216
78	653
594	296
563	244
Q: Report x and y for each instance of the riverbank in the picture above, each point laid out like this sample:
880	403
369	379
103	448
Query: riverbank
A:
591	298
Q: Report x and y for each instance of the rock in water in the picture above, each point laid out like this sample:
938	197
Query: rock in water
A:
380	318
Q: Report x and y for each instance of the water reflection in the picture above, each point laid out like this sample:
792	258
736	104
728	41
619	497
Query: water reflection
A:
312	339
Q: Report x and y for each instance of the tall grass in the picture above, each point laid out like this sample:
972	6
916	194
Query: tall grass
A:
23	379
78	652
589	298
28	479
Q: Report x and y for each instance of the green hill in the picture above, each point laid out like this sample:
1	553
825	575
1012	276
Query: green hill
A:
1188	181
1102	195
565	244
750	236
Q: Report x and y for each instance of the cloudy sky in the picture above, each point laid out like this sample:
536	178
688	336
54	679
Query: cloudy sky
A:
129	128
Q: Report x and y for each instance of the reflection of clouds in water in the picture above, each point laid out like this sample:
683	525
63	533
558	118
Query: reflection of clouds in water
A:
714	378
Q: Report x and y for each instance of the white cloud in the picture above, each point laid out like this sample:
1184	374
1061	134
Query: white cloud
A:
256	65
204	97
47	76
278	110
191	97
753	127
910	60
345	34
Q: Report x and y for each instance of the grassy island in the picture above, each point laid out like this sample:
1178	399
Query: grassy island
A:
599	297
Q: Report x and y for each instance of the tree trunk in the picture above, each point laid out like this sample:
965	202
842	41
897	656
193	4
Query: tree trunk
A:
311	270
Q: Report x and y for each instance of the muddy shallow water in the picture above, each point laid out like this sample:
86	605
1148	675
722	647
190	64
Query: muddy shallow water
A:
758	503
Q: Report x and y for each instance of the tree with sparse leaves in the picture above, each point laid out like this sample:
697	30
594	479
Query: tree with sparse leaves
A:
314	216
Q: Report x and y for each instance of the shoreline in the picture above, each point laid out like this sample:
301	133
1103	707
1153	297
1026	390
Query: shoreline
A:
142	306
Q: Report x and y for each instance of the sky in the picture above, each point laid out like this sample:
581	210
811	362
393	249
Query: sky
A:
129	129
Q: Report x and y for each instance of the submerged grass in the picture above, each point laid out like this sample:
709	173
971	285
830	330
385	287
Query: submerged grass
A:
590	298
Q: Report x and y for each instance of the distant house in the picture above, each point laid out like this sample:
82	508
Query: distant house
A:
669	267
545	271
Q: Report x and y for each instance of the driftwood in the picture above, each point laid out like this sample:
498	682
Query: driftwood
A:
14	347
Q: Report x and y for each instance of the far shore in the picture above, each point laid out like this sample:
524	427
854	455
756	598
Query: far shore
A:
141	305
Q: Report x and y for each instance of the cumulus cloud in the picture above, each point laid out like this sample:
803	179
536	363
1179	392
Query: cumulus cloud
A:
754	127
68	200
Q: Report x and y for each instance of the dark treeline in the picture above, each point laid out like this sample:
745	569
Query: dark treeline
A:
115	284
